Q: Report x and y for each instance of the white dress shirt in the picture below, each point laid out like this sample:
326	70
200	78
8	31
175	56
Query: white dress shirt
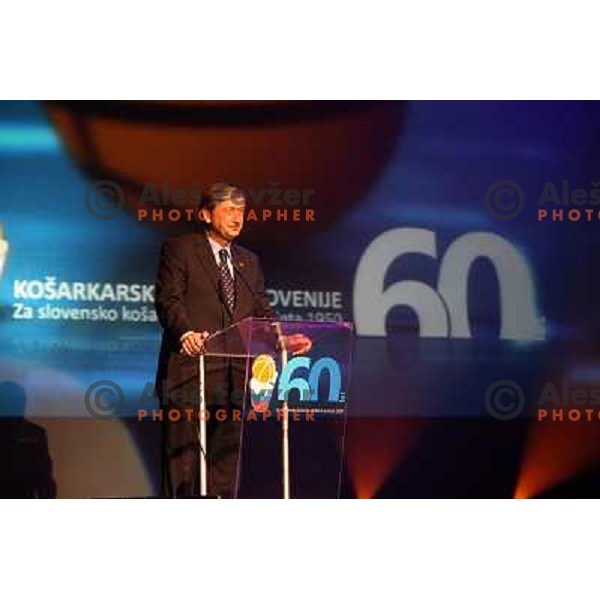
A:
216	248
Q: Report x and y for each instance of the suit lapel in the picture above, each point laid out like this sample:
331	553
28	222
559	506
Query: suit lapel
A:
241	291
207	259
237	258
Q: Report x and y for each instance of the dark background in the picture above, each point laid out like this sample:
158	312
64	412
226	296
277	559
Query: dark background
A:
418	422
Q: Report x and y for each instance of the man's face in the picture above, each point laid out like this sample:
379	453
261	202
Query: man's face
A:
227	218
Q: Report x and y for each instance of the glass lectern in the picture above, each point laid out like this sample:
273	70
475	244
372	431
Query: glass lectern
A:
292	409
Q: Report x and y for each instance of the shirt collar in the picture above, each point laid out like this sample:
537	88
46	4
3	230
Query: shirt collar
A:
216	247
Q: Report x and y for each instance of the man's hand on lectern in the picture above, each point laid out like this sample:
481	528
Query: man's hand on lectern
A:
297	343
192	343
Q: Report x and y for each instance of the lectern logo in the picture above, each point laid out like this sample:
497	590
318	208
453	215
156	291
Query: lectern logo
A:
299	381
443	312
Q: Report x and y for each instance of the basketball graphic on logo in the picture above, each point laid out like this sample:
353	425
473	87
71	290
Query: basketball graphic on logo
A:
264	369
264	376
301	155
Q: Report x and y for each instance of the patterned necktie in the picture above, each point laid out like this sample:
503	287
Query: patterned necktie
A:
226	281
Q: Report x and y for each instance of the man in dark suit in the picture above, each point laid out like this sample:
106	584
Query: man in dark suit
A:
205	283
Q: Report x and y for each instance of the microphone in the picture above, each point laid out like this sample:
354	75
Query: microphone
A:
266	308
280	338
242	276
237	269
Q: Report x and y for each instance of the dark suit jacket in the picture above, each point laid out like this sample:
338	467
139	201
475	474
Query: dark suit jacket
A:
187	298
